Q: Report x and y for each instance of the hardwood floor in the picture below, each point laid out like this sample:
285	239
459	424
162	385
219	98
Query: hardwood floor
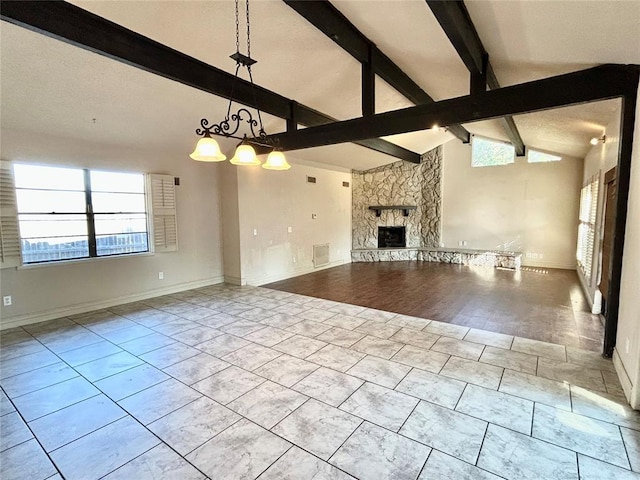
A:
542	304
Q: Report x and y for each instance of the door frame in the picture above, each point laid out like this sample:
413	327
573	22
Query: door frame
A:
603	269
625	151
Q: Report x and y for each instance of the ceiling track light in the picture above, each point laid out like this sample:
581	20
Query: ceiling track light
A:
595	140
207	148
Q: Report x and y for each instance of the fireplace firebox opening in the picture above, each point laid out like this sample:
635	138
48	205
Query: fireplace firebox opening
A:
391	237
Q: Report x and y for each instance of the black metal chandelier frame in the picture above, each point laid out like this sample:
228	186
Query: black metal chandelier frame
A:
232	122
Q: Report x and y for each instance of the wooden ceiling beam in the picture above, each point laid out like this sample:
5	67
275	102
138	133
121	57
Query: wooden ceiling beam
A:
594	84
454	19
71	24
330	21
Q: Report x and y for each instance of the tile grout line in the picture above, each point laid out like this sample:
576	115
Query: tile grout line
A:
161	442
425	462
343	372
460	398
350	395
484	436
354	365
34	437
408	417
291	445
362	421
626	450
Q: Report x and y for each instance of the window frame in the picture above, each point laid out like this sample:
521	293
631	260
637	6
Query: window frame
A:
475	138
554	157
88	217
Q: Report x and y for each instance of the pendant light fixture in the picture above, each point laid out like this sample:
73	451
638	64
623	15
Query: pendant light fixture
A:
207	148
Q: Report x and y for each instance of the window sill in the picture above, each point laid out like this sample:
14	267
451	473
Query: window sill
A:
77	261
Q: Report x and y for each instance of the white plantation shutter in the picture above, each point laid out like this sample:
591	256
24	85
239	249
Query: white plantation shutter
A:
163	210
9	233
587	227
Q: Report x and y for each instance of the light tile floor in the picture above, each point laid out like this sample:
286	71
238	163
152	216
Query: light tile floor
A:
228	382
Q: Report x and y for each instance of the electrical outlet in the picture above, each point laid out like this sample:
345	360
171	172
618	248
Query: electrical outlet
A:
289	229
313	216
6	301
627	343
255	232
160	275
293	259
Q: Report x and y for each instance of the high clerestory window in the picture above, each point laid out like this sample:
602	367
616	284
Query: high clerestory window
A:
73	213
534	156
489	153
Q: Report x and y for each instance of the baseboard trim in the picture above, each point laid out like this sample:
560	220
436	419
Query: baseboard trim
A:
284	276
559	266
233	280
625	381
30	318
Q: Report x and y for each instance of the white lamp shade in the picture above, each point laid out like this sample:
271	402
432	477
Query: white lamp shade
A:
207	150
276	161
245	155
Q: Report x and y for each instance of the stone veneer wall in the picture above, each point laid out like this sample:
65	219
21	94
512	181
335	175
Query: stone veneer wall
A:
400	183
509	260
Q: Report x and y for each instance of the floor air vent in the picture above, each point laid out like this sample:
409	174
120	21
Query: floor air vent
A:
321	255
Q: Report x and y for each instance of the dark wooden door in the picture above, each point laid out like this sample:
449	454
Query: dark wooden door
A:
609	227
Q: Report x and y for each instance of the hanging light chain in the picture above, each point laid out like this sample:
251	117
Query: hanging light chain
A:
248	31
208	149
237	29
237	12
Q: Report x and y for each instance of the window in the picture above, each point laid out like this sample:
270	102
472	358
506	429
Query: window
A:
487	153
587	226
69	213
534	156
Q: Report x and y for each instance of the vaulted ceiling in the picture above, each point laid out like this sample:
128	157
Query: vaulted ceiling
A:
56	88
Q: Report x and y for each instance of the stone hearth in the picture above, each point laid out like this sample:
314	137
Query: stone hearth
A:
498	259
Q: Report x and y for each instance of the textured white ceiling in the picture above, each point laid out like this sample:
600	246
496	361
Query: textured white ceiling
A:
51	87
409	34
527	40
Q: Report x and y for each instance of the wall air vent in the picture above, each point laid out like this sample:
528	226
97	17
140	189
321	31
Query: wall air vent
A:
311	179
320	255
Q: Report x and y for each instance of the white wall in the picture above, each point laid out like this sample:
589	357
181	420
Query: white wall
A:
526	207
627	361
231	223
600	159
45	292
271	201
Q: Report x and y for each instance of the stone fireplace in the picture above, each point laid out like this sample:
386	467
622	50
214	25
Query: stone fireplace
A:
392	237
397	214
401	194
